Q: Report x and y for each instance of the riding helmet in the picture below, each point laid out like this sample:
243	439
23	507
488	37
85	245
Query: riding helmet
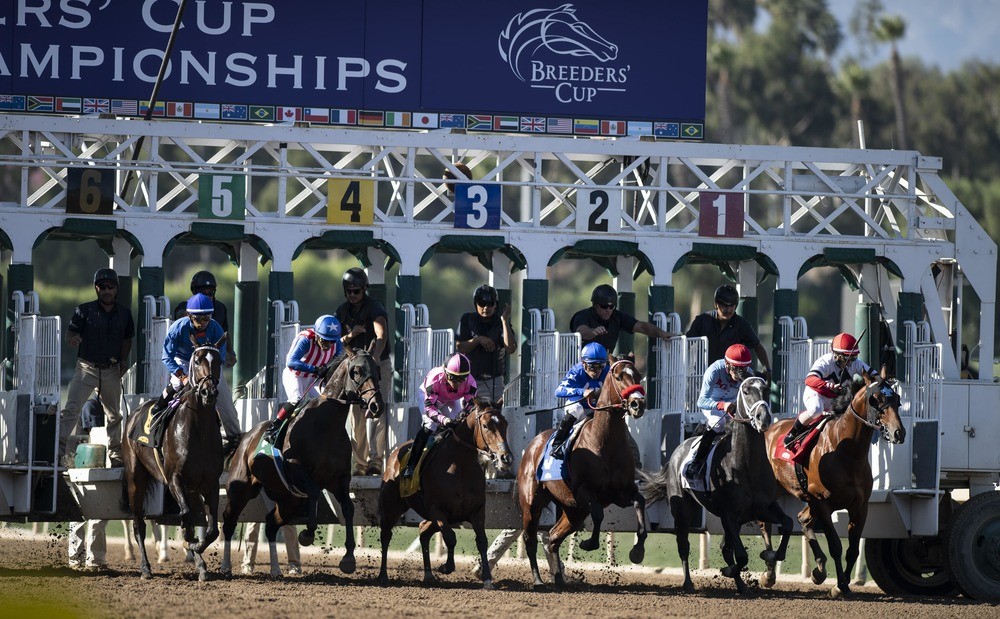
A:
738	355
726	294
485	295
605	295
845	344
105	275
327	327
200	304
457	366
355	277
203	279
594	353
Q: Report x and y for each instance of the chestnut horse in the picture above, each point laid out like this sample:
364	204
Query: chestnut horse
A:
744	488
452	486
317	454
601	468
839	475
192	458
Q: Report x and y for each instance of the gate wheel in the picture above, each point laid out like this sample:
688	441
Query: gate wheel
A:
974	547
909	566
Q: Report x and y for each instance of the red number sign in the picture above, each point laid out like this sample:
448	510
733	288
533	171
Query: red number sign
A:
721	215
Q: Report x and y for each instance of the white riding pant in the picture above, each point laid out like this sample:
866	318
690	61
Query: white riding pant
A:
813	404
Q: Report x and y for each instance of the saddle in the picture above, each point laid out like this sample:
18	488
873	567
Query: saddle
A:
151	431
409	487
703	482
554	469
798	452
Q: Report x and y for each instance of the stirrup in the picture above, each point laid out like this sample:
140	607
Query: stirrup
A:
408	473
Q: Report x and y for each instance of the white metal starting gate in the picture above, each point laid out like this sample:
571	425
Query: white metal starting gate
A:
158	321
798	352
697	365
424	346
286	316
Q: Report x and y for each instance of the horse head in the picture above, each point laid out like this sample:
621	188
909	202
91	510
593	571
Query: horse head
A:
361	381
205	370
622	388
881	397
753	404
488	426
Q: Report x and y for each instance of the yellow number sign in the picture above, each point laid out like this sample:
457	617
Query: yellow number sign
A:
350	202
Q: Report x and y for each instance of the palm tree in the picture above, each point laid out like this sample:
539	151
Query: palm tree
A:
890	29
855	80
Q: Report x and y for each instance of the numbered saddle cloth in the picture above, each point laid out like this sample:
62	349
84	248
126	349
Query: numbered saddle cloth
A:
409	487
151	429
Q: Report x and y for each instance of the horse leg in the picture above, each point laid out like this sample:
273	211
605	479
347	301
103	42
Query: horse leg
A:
681	508
806	521
197	506
638	552
238	494
391	507
479	526
857	515
734	552
136	490
160	536
531	513
427	529
130	541
570	521
342	492
271	527
768	578
585	497
448	534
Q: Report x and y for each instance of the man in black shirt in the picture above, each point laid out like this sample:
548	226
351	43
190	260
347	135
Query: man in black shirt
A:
602	322
486	338
103	330
204	282
724	327
364	321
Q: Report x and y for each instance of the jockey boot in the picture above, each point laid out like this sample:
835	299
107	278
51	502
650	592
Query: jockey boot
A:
419	442
164	400
562	433
697	466
284	412
794	433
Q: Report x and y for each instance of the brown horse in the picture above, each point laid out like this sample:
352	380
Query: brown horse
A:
452	486
602	472
192	459
838	473
317	455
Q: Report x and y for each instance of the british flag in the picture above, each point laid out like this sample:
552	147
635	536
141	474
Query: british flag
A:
96	106
533	124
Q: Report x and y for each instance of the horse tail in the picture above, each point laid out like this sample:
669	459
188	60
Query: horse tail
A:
123	500
653	486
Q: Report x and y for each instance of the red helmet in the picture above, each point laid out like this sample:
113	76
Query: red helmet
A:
738	355
845	344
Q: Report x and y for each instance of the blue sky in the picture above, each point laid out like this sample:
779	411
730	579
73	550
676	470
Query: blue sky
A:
944	33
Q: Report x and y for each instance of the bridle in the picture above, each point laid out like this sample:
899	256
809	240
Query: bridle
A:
353	390
890	398
745	408
478	436
623	394
198	384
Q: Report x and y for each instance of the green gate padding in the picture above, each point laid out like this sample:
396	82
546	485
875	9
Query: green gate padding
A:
604	253
408	290
661	299
724	257
841	257
535	295
482	247
223	236
101	231
280	287
355	242
786	303
246	333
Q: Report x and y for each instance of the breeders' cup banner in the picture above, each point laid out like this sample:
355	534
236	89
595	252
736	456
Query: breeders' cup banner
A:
578	68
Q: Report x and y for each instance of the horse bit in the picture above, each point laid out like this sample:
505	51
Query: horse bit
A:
623	394
884	388
748	409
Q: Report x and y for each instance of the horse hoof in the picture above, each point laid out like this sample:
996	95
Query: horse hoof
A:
383	580
306	537
688	587
202	577
637	554
589	544
728	571
488	585
348	565
146	575
767	580
818	576
836	592
768	556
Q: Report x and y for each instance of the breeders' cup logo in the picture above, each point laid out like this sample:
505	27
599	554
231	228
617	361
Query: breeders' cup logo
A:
533	41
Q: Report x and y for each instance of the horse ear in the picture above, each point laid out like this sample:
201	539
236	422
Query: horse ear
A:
884	371
499	403
225	336
630	356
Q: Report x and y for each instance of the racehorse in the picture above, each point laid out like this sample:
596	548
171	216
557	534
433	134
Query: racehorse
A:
557	30
743	487
452	486
601	472
317	454
191	458
838	473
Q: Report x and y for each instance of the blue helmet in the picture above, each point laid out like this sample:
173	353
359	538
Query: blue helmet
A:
200	304
594	353
327	327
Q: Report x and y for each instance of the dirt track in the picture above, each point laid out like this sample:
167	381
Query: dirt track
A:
35	583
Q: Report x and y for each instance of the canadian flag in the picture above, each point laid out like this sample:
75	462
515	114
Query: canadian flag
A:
288	114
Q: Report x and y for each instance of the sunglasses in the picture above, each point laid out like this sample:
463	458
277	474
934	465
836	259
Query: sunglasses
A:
353	291
200	317
594	366
727	305
107	286
609	306
486	304
207	291
454	378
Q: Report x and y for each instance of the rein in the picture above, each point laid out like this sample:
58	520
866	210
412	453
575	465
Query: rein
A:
878	425
747	408
476	431
623	394
198	383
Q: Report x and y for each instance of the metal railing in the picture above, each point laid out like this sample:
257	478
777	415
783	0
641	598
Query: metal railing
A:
697	364
155	330
669	378
923	382
286	317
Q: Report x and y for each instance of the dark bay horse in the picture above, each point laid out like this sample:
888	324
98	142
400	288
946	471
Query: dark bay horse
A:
601	467
839	475
317	455
192	458
452	486
743	487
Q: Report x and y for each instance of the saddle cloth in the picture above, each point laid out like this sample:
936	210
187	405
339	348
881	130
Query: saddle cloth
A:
152	428
409	487
266	450
798	452
554	469
700	483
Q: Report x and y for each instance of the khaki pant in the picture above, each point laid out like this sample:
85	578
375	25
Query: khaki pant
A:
371	453
252	537
88	543
86	379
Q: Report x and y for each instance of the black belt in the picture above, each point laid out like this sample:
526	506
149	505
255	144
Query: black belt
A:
99	366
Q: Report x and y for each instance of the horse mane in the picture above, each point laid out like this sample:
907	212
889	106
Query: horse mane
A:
843	401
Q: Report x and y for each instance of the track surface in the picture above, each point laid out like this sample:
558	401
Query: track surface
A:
34	582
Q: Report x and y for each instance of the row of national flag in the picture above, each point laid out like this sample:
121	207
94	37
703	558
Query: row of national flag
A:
349	117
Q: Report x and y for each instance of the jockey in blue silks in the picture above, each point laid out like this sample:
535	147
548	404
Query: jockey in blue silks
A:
581	385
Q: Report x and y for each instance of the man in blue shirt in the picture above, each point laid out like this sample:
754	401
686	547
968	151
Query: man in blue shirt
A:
581	385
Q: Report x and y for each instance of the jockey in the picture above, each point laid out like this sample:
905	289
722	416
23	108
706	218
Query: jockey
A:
825	381
582	384
306	364
446	392
178	348
717	400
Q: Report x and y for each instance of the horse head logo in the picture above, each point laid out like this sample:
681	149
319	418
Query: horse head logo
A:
557	30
